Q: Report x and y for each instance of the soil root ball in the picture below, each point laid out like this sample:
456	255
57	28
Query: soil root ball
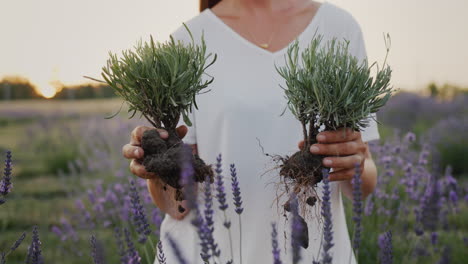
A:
303	168
163	159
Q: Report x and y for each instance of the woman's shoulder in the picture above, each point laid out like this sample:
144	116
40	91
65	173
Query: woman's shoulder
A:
195	25
339	20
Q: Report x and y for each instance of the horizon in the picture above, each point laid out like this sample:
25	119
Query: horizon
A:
54	44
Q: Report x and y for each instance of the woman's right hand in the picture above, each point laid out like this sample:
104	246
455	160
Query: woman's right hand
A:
161	194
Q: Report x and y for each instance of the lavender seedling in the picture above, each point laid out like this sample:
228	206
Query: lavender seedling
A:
327	89
161	81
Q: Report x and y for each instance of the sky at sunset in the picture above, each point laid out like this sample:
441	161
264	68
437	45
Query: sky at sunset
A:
51	41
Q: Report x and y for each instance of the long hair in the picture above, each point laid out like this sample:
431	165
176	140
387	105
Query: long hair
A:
204	4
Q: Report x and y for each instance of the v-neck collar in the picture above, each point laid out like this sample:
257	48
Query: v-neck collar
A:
236	35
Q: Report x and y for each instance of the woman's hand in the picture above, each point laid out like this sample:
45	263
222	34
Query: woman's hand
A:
343	149
161	194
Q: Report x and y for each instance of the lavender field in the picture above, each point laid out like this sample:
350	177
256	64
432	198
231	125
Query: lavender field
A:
70	197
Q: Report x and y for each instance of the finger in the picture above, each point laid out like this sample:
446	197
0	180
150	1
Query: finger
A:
300	145
139	170
182	131
137	134
343	162
342	175
132	152
337	136
345	148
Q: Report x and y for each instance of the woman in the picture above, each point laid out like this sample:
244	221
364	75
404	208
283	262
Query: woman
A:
243	109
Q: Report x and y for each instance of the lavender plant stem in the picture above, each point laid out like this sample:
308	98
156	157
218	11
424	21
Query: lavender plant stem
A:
230	236
240	239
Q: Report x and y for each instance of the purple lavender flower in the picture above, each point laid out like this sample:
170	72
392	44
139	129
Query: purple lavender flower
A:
237	203
274	244
120	245
157	219
385	248
221	193
445	258
326	213
177	251
186	177
34	251
357	207
12	248
453	197
203	234
297	229
18	242
5	183
209	220
434	238
428	213
161	256
410	137
236	190
97	251
132	254
369	205
139	216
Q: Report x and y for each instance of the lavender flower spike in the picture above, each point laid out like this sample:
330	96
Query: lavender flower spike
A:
238	204
186	177
5	183
181	259
209	220
18	242
385	246
132	254
34	251
274	244
161	256
139	215
297	229
221	193
236	190
326	213
357	208
96	251
120	245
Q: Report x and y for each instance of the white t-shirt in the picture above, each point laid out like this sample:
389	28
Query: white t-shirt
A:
242	110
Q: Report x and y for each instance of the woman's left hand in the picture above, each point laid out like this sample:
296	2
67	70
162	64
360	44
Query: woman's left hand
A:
343	150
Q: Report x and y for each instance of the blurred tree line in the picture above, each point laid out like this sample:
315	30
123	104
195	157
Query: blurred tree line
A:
16	88
445	91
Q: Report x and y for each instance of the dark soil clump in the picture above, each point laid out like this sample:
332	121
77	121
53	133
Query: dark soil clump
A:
163	157
303	168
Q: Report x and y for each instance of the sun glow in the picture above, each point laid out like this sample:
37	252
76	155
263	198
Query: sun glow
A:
47	89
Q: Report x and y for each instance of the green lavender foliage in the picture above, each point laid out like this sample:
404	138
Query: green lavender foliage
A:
327	85
160	80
